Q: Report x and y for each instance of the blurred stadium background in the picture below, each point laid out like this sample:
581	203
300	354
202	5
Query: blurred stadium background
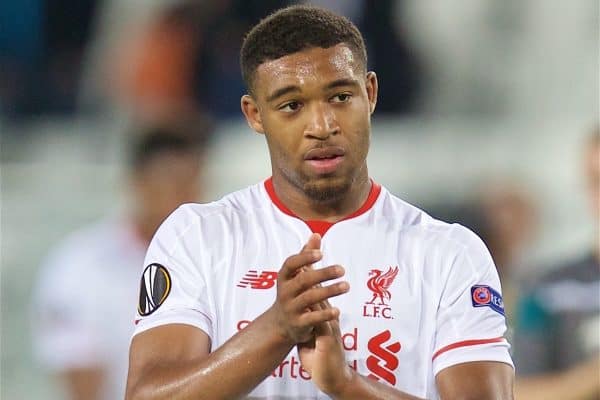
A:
473	92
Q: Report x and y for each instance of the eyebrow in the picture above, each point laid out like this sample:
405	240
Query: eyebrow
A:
342	82
294	88
282	91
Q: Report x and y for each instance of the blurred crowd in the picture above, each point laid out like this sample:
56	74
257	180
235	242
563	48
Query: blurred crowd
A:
78	56
173	66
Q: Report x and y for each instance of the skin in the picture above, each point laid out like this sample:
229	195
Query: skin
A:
83	383
157	187
313	99
328	104
592	175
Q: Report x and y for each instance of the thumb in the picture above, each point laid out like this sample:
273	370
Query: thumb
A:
313	242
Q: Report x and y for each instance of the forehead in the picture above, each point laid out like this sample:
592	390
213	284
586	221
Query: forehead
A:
313	66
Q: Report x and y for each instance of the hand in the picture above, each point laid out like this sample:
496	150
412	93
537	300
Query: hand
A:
324	358
297	292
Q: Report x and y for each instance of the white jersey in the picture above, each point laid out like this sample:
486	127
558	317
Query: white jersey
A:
424	295
84	300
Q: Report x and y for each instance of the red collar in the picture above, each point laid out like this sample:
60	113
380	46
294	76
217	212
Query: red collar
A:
317	226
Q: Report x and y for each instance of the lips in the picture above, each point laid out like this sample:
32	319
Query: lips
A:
324	160
321	153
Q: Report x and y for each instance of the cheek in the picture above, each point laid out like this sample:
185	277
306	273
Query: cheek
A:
283	138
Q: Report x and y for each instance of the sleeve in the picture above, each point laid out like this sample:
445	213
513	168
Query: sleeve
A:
173	287
63	328
470	320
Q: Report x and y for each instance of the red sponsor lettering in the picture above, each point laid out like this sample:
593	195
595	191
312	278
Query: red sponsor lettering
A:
350	340
383	360
291	367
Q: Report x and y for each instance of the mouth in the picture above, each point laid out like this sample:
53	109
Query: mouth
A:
325	160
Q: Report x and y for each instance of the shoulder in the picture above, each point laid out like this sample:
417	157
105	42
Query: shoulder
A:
416	221
210	219
240	202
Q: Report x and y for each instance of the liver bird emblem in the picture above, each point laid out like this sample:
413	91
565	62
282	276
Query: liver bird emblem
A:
379	284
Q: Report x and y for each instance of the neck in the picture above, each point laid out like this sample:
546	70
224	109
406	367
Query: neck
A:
310	209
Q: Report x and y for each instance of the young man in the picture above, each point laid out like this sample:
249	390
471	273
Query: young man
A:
82	322
317	283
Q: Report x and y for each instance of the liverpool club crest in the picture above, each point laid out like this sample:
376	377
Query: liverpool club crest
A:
379	283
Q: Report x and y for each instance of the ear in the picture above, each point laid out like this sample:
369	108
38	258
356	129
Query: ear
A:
372	90
252	113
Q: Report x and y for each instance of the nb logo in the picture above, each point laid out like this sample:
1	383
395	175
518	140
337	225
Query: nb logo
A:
255	280
383	360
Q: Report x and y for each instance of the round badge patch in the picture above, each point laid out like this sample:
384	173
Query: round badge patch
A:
155	286
482	295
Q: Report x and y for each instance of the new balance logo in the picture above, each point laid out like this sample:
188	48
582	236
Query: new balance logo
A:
383	360
255	280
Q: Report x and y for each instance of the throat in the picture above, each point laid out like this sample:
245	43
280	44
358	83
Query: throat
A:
321	202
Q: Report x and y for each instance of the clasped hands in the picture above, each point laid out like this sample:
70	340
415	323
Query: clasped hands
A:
305	318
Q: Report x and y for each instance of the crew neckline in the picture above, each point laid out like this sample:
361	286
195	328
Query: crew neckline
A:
319	226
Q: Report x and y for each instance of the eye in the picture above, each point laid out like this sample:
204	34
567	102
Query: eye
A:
290	107
341	98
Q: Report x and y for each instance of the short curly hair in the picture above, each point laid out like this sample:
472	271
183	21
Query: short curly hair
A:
293	29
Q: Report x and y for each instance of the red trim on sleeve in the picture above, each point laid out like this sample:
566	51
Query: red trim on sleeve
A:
465	343
321	227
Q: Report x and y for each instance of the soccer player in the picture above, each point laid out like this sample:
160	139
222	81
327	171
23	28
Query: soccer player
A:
82	308
316	283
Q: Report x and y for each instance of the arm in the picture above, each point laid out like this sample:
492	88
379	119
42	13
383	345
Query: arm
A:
475	380
83	383
174	362
324	359
481	380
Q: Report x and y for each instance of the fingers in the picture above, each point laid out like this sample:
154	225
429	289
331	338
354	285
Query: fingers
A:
294	264
301	304
309	254
314	318
311	298
297	262
313	243
310	278
331	327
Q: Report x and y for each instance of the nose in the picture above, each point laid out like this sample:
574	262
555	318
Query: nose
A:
322	123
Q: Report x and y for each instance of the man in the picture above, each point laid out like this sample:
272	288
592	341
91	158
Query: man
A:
316	283
556	340
82	322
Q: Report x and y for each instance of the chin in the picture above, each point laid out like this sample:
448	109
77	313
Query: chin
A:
327	189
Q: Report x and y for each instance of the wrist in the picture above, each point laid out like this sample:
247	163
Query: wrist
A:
344	386
276	328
